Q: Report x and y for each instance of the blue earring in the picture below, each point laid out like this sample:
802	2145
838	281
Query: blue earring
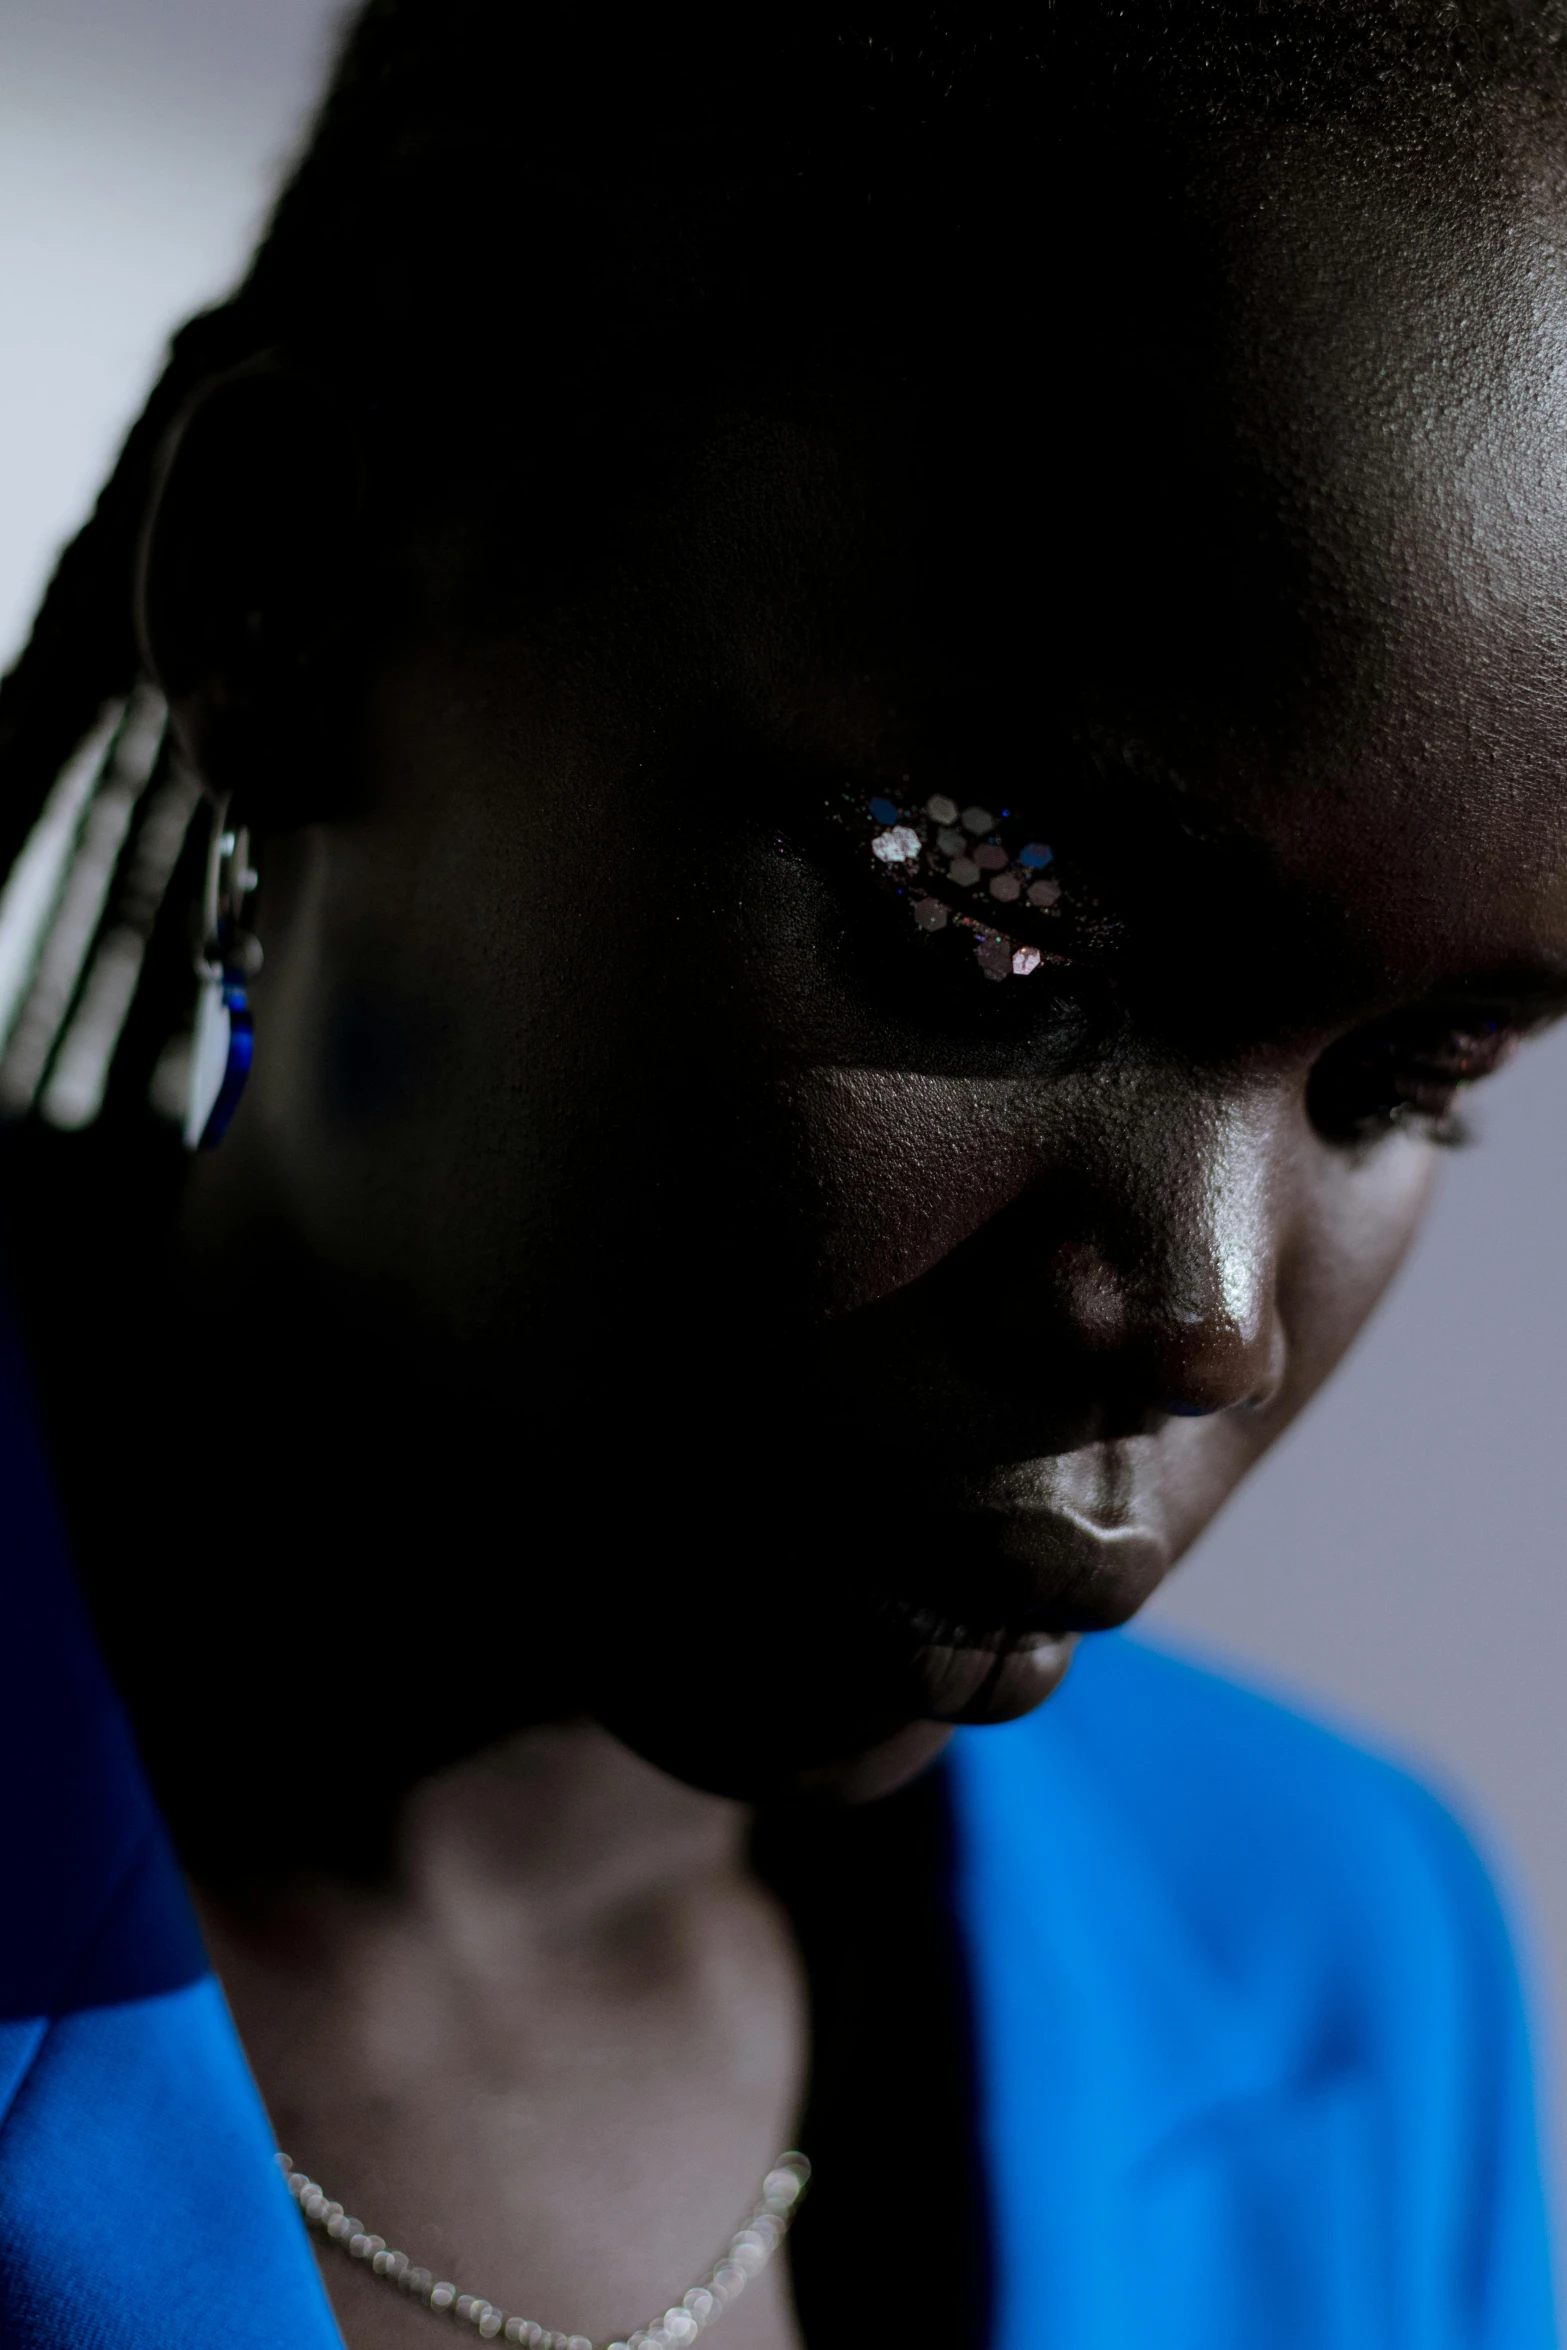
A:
230	957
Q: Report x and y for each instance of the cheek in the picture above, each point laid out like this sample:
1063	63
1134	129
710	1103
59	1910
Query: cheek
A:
451	1056
889	1172
1346	1241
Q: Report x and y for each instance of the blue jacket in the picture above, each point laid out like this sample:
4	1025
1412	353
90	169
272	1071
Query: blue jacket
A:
1252	2061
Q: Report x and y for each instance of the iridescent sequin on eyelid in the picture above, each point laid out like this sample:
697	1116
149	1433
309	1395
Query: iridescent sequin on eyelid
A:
899	845
906	847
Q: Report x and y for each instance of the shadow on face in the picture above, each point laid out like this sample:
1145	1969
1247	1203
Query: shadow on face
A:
822	1095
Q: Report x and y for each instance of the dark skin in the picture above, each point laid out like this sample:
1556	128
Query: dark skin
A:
805	1336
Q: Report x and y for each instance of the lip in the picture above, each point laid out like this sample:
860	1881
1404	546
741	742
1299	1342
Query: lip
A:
1014	1563
963	1681
1086	1572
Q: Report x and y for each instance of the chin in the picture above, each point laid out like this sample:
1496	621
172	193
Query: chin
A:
767	1738
827	1649
787	1693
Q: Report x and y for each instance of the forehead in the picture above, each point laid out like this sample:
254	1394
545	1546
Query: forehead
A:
1391	370
1265	508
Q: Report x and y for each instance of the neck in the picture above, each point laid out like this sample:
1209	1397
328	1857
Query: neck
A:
541	1838
554	2048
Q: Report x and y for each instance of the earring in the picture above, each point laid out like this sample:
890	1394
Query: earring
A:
229	958
79	908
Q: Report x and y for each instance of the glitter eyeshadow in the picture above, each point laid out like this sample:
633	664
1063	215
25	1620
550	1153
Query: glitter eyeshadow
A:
934	842
900	846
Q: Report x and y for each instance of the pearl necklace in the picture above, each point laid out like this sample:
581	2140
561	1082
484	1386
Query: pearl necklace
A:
749	2250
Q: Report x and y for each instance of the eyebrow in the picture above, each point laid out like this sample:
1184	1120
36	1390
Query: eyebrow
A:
1537	990
1182	823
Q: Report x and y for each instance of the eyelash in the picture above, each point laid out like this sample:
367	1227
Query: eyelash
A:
1385	1079
929	982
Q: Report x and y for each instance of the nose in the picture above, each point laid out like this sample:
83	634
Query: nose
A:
1143	1266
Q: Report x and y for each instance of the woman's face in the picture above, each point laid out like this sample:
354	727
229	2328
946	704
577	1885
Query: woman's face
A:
799	1283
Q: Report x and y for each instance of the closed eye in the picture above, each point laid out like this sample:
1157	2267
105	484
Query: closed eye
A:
1410	1073
979	884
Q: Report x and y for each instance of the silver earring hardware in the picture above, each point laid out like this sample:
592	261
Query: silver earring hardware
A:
229	958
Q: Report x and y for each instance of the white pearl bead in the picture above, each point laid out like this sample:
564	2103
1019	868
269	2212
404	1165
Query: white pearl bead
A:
750	2249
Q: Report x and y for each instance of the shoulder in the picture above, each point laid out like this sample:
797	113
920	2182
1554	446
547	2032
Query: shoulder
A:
1243	1995
1232	1775
1281	1851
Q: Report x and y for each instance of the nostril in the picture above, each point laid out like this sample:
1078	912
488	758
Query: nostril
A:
1225	1372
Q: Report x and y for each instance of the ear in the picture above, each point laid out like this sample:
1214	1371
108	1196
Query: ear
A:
246	589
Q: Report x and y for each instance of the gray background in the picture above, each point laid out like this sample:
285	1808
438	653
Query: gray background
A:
1397	1564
